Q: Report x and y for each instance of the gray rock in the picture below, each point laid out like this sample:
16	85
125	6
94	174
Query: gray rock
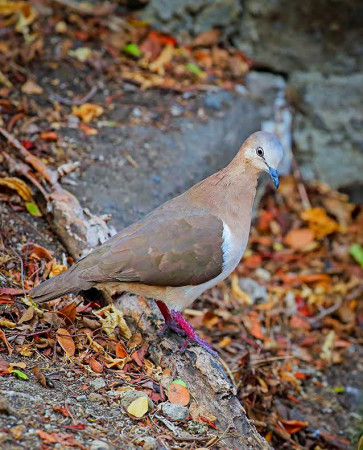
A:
147	442
220	13
96	398
288	35
174	412
81	398
195	427
255	291
129	396
328	131
98	383
99	445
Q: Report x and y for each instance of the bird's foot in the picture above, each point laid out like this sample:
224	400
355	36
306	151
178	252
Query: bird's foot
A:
191	334
175	321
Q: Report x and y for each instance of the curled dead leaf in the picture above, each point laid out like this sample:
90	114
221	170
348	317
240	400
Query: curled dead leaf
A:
18	185
66	341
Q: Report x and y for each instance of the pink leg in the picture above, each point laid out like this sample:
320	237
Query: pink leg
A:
176	322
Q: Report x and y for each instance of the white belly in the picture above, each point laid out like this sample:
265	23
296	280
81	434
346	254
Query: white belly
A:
233	250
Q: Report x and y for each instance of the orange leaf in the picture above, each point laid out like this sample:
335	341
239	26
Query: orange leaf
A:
319	222
49	135
65	340
95	365
120	350
8	346
299	238
69	311
297	322
35	251
293	426
178	394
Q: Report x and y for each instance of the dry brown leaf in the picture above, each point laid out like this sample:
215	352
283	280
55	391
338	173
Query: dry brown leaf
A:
237	291
96	366
32	88
206	39
5	341
66	341
18	185
28	314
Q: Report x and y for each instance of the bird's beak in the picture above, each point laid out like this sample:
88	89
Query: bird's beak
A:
274	176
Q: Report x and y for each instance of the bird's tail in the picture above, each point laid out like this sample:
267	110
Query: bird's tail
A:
64	283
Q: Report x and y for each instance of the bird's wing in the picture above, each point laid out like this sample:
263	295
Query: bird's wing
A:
169	252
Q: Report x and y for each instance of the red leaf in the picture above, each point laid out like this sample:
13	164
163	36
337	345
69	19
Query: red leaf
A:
61	410
12	291
120	350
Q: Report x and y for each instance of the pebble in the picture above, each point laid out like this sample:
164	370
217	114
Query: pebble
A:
147	442
175	412
81	398
99	445
195	427
98	383
129	396
98	398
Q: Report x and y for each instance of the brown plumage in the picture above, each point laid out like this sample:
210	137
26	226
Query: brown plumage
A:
187	244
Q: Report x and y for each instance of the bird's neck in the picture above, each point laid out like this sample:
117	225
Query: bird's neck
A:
229	194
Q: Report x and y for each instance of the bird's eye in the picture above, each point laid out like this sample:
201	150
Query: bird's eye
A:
259	151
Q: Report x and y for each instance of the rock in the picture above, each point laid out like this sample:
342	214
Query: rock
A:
81	398
175	412
215	100
97	398
328	131
195	427
98	383
193	16
129	396
255	291
147	442
287	35
99	445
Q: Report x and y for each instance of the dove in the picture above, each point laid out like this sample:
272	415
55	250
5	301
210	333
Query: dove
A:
182	248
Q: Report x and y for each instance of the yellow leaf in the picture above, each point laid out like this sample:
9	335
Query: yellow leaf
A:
18	185
138	407
6	323
87	111
237	291
319	222
57	269
111	317
81	53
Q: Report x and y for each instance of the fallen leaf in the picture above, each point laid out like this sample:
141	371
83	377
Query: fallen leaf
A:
87	112
20	375
35	251
132	49
356	251
96	366
33	209
61	410
237	291
69	311
110	318
193	68
83	54
49	136
328	346
299	238
206	39
120	350
319	222
39	376
57	269
28	314
65	340
18	185
138	407
292	426
178	394
6	323
32	88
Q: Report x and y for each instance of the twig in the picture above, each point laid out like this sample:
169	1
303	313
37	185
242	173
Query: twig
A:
88	9
66	101
325	312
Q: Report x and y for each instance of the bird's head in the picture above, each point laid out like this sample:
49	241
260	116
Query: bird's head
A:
264	152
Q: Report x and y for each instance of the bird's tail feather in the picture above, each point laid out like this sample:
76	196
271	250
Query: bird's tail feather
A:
62	284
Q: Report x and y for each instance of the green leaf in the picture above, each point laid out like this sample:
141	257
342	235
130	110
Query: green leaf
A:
19	374
194	69
33	209
181	382
356	251
132	49
336	390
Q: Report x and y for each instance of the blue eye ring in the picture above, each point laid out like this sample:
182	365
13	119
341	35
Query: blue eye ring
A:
260	152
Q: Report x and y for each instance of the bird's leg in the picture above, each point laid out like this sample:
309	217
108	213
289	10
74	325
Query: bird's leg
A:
191	334
175	321
170	323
